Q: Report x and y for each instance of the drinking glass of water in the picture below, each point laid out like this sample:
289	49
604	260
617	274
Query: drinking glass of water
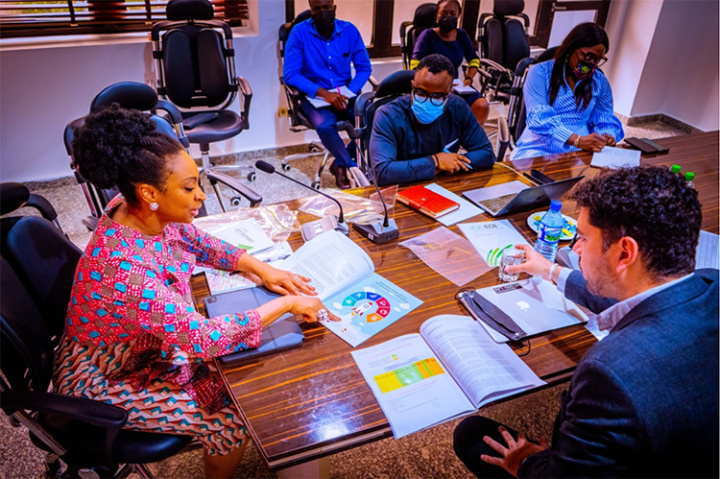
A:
510	256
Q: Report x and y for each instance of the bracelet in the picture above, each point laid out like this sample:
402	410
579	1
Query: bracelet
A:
551	271
577	141
435	159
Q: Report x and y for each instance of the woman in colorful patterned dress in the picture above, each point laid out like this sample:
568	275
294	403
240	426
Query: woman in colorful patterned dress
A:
133	337
568	99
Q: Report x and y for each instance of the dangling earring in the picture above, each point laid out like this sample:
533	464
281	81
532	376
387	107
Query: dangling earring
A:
154	206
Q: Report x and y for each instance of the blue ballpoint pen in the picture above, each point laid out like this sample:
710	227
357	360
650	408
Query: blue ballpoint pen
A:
446	149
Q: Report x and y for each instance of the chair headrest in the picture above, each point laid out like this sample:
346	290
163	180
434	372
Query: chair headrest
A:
396	83
502	8
127	94
12	196
302	16
425	16
178	10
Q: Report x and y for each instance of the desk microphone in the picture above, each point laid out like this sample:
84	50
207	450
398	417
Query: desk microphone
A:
266	167
377	232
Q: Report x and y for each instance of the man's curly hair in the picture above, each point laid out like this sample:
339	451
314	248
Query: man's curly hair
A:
120	147
654	206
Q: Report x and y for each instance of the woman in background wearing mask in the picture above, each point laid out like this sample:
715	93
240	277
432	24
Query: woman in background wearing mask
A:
454	43
568	99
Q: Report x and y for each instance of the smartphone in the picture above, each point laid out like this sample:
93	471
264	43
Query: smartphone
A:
541	177
644	145
658	147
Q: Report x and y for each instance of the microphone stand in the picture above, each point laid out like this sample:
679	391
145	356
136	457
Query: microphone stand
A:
378	233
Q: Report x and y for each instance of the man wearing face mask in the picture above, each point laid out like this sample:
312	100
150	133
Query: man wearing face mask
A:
455	44
417	136
319	54
569	100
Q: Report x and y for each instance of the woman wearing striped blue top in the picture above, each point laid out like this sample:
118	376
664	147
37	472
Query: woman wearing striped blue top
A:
568	99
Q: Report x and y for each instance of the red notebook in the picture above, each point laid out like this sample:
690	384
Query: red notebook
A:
426	201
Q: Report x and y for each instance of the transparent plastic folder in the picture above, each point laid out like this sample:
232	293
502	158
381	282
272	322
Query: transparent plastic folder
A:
449	254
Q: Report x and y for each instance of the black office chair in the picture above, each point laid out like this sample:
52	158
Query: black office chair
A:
503	39
14	196
391	87
423	19
138	96
300	122
84	434
517	114
195	60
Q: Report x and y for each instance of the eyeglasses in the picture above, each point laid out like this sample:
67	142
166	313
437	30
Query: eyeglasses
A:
589	57
421	96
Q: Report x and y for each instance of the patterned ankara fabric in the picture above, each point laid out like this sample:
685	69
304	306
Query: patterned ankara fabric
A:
550	126
134	339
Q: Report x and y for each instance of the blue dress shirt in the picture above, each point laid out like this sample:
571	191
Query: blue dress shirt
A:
401	149
312	61
550	126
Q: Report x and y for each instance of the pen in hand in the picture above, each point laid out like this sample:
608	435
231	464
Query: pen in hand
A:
446	149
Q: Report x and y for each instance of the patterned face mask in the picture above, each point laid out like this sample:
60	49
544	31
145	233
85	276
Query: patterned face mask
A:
583	70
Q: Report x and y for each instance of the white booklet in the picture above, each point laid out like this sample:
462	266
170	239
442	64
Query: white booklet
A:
320	103
344	277
460	87
613	157
451	368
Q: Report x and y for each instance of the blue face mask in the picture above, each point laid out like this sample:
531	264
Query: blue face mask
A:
425	112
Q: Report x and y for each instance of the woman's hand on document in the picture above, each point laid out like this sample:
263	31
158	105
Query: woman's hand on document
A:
535	263
285	282
311	309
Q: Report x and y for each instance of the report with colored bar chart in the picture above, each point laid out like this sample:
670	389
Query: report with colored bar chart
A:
448	370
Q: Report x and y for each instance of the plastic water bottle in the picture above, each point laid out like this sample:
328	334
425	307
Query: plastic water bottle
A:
675	169
690	178
550	231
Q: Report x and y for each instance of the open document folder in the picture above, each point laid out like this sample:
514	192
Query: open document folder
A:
344	277
448	370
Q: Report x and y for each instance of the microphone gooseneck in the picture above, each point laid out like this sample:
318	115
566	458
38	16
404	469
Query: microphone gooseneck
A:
266	167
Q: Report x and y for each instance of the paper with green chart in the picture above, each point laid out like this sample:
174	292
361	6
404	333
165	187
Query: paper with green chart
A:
491	238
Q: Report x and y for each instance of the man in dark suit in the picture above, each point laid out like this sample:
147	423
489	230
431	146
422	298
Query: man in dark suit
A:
643	402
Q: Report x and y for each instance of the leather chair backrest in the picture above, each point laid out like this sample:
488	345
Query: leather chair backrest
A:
196	72
423	19
44	260
523	65
504	8
179	10
26	351
391	87
128	94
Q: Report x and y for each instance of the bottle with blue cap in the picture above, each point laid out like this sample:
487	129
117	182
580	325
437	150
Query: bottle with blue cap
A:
550	231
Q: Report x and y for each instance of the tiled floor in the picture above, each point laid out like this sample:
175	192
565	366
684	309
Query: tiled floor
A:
424	454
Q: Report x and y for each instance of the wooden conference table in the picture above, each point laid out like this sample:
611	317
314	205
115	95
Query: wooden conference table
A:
311	402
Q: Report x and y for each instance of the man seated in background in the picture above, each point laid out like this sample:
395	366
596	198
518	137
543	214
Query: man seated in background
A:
418	136
643	402
318	57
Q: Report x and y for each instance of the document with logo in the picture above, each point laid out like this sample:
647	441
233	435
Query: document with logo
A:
448	370
318	102
344	277
613	157
534	304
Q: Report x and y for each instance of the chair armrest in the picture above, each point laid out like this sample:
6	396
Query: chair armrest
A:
374	83
43	206
495	66
247	94
81	409
244	191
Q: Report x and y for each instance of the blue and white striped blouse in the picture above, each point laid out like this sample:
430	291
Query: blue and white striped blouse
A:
550	126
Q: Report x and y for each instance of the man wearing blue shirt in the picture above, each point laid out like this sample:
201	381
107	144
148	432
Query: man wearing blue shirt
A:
418	136
318	57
